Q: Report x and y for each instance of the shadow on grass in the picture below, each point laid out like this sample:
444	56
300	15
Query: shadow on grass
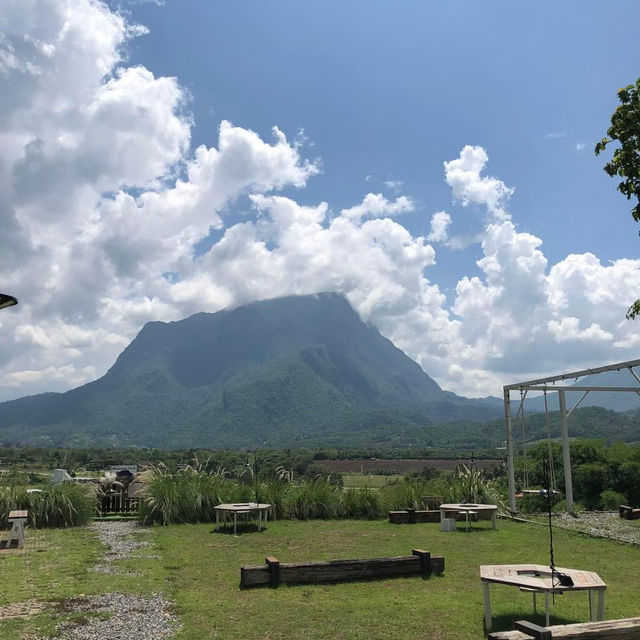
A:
227	529
505	621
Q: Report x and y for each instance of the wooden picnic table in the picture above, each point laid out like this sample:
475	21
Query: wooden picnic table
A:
468	509
17	520
538	579
246	508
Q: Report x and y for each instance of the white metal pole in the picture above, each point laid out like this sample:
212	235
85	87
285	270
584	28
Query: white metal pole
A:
510	470
568	485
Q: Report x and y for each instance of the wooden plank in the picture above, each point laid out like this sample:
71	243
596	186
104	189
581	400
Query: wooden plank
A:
274	571
624	629
536	631
254	576
410	516
18	514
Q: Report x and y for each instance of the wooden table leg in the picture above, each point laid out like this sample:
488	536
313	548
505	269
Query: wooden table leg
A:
235	522
601	593
487	606
546	608
591	612
494	518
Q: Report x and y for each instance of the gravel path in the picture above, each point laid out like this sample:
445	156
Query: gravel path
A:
120	616
602	524
117	537
117	616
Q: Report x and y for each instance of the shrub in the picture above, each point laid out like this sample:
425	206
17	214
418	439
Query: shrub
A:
315	499
610	500
63	505
361	502
188	495
405	494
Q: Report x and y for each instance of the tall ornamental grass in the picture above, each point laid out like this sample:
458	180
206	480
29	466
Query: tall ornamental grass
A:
64	505
362	503
190	495
187	495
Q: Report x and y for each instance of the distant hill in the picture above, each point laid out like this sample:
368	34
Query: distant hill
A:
613	400
283	372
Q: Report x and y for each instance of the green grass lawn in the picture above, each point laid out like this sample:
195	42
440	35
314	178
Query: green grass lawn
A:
200	570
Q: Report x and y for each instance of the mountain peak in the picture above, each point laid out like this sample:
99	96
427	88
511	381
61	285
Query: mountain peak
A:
280	370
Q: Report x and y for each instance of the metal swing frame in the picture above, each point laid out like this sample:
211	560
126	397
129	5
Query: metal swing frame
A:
542	384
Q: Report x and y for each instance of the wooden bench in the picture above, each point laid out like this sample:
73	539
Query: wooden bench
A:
628	512
623	629
17	520
411	516
275	572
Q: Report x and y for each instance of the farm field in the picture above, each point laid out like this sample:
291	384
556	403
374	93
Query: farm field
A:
400	467
199	571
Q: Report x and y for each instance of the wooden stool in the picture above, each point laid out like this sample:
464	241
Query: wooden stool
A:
17	520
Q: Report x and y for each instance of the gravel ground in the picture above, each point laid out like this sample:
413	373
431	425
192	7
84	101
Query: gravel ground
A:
603	524
117	537
117	616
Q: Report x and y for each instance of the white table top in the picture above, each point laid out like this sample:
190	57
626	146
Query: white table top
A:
538	577
467	506
243	507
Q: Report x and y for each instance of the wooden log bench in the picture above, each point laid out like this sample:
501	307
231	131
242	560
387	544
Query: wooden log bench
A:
411	516
628	512
275	572
17	520
623	629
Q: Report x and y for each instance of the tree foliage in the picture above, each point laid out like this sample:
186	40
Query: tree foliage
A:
625	128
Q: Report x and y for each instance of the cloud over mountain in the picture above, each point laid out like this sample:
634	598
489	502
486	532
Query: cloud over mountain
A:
111	218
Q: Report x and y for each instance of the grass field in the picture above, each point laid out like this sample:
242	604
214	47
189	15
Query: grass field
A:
357	480
200	570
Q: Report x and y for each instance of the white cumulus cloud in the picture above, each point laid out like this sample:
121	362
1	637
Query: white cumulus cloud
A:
107	214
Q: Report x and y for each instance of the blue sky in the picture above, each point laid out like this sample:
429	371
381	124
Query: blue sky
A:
391	90
466	215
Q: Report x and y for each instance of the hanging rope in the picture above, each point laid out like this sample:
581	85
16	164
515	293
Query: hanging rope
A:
523	421
552	473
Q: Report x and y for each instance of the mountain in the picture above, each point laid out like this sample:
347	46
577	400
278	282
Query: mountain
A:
281	372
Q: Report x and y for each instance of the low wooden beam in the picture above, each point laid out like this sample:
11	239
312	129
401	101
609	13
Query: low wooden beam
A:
275	572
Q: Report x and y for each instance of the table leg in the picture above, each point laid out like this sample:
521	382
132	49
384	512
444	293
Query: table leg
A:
494	518
259	520
601	604
487	606
546	608
217	519
535	604
467	520
266	515
591	594
235	522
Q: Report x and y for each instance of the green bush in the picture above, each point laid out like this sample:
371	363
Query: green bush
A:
64	505
405	494
361	503
315	499
188	495
610	500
